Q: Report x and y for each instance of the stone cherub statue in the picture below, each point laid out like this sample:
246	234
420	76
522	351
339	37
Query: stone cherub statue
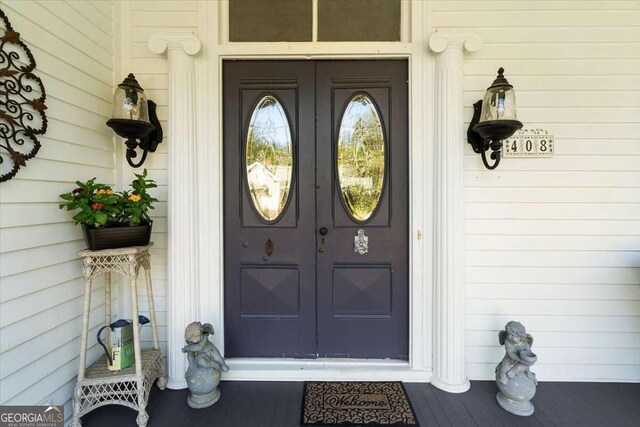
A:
517	384
206	365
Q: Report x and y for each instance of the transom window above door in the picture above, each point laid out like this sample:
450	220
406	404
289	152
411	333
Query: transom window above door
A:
309	21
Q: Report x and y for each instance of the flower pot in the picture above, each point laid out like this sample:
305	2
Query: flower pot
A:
117	236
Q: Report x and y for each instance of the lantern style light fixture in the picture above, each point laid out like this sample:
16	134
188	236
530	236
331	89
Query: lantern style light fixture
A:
494	120
134	118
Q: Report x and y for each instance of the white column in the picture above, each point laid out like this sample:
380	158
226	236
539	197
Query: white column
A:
182	287
449	367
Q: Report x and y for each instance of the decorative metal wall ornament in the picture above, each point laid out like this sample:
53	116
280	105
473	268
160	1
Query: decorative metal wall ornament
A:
361	243
22	97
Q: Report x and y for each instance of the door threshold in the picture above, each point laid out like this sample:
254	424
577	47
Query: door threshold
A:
323	369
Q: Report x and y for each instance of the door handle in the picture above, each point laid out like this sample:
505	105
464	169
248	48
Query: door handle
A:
323	231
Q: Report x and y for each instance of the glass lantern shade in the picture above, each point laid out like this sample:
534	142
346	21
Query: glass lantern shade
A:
130	117
499	103
498	119
129	101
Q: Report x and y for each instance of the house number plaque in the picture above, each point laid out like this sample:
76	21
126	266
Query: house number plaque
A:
529	143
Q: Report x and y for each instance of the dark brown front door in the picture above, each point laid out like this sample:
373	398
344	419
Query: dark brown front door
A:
316	209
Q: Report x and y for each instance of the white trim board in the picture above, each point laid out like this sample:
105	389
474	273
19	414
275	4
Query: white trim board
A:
258	369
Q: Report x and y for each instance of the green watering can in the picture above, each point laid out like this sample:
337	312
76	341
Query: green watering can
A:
120	354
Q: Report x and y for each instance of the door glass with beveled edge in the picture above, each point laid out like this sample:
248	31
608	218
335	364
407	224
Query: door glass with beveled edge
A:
361	158
269	158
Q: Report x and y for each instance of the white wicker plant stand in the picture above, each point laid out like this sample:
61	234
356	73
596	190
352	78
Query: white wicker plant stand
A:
97	386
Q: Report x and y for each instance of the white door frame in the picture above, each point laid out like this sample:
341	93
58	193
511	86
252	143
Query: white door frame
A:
421	159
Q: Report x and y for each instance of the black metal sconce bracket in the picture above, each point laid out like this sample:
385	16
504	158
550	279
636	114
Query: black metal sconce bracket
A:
481	145
141	134
151	141
473	138
489	135
148	143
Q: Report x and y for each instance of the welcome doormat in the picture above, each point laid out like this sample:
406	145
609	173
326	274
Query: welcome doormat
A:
356	404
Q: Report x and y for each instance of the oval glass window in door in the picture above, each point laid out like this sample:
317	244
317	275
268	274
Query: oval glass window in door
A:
361	158
269	158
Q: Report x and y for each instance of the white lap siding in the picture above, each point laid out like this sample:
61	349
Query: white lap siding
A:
41	282
554	243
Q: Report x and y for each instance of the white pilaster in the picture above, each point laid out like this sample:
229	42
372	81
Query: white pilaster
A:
449	367
182	292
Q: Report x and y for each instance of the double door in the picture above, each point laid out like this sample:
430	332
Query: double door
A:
316	209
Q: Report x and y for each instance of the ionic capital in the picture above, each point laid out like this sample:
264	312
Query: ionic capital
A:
186	42
444	39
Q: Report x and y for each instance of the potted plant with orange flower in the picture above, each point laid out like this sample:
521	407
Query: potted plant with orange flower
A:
112	219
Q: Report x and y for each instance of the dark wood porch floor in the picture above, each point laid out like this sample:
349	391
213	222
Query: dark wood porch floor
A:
277	404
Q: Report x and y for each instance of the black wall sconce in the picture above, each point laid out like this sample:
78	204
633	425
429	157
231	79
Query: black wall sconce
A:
494	120
134	118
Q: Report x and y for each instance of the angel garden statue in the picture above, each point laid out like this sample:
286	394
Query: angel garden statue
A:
206	365
517	384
